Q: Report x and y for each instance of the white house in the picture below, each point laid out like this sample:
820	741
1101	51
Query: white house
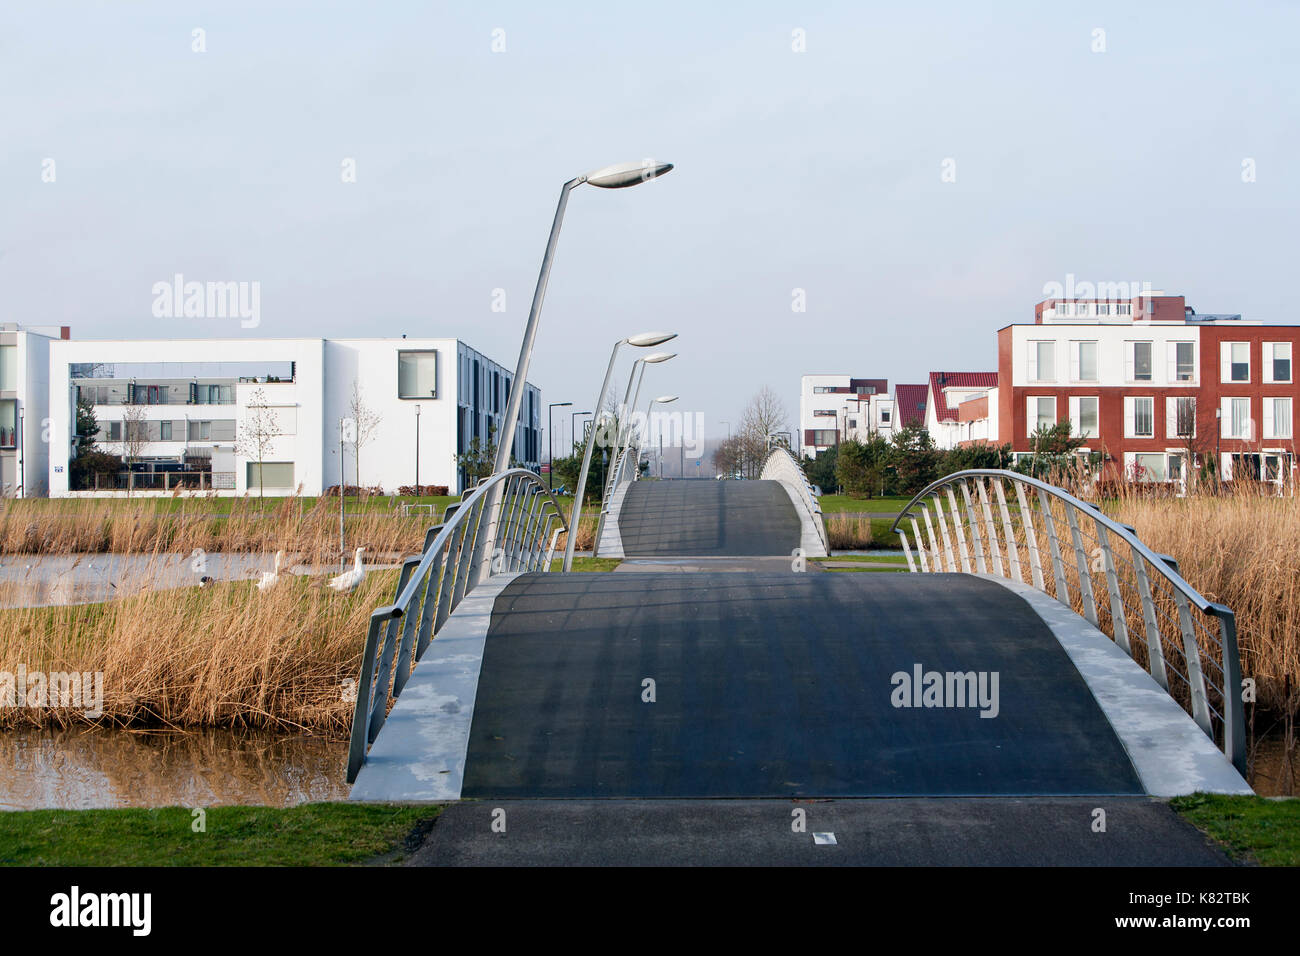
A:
250	415
835	408
24	407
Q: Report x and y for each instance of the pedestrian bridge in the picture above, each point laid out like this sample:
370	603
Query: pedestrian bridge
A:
1039	650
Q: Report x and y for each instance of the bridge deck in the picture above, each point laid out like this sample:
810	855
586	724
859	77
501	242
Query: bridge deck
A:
776	685
707	518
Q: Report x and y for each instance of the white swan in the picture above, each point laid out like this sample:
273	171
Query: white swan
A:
270	577
348	580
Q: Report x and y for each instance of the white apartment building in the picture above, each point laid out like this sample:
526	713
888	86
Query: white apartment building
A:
241	416
24	406
835	408
962	408
1155	388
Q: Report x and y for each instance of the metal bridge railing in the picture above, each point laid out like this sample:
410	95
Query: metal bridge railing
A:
512	508
782	466
1012	525
626	468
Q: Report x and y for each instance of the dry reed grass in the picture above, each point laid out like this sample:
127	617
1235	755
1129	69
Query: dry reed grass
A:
309	531
225	656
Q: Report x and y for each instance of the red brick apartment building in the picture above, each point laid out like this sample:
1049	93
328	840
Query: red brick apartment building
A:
1150	384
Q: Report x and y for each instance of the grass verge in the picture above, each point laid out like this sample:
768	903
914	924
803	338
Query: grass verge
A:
588	564
891	504
314	834
1250	828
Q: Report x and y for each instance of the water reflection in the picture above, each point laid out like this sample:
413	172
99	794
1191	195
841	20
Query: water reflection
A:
85	768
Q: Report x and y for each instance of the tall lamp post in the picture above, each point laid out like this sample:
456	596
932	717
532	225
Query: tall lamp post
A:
624	438
610	177
417	450
644	340
22	460
550	447
573	427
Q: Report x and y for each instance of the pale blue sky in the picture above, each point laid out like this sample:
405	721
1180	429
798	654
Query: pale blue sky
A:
817	170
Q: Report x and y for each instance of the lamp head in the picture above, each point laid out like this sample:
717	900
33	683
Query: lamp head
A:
658	357
647	339
627	174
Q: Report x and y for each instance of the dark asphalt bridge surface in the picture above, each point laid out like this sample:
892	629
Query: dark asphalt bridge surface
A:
707	519
776	685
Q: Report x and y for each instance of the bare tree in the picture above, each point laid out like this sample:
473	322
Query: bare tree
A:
134	436
764	415
257	433
365	420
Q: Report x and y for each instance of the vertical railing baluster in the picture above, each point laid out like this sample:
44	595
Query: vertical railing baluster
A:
920	545
1013	547
1234	708
1192	655
995	549
361	709
1155	649
1118	622
907	550
1031	537
973	522
409	622
1058	565
1081	559
934	543
943	531
958	529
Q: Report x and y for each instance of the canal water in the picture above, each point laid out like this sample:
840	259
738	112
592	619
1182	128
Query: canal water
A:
83	768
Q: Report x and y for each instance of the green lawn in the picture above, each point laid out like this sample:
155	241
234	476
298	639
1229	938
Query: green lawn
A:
1251	828
865	570
888	505
870	558
588	564
315	834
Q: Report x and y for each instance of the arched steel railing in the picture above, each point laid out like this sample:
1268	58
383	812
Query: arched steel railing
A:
1194	657
626	468
513	509
782	466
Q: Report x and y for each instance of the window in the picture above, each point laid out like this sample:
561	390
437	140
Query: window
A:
1175	467
164	431
200	431
1103	308
8	423
1149	467
851	423
1235	361
1182	361
1236	418
884	416
1083	361
1042	361
1277	362
1277	418
822	389
1180	417
1139	417
865	389
1123	308
823	413
270	474
114	431
824	436
1084	416
1138	362
1041	413
417	375
8	367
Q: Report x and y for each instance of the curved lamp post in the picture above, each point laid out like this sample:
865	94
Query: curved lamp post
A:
609	177
624	437
644	340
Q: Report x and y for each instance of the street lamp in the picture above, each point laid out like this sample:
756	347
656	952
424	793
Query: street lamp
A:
417	450
644	340
624	438
610	177
22	460
550	447
573	427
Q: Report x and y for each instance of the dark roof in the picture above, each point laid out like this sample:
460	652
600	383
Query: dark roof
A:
909	404
941	380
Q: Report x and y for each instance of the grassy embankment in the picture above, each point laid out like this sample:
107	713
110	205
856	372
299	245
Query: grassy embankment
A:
317	834
1251	829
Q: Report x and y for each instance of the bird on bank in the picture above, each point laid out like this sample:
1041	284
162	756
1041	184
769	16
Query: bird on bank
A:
269	578
348	580
206	581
